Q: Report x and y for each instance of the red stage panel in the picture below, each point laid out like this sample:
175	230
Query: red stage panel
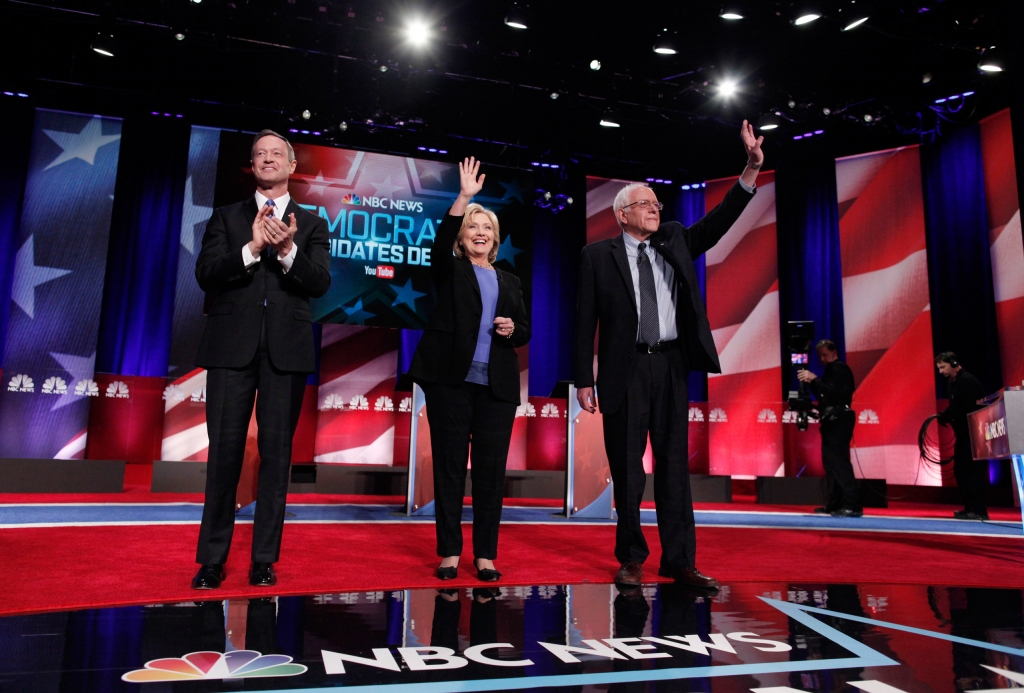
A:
886	308
1005	238
745	417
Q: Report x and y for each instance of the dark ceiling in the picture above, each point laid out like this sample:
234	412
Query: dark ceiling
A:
485	88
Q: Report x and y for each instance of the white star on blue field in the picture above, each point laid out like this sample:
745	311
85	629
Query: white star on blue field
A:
406	294
506	251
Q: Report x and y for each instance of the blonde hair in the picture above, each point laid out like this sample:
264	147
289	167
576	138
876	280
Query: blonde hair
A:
466	220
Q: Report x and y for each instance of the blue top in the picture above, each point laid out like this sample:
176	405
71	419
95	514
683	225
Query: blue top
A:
488	281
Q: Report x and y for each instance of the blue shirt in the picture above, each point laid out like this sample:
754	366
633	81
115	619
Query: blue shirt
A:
488	281
664	286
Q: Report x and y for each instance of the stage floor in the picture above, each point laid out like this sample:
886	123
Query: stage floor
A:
879	638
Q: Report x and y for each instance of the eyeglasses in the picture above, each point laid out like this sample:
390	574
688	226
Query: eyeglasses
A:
645	204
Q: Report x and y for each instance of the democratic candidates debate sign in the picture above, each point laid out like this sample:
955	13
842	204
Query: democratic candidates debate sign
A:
382	214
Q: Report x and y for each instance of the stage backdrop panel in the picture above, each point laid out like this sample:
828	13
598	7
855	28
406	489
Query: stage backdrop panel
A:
1007	246
886	311
745	408
58	285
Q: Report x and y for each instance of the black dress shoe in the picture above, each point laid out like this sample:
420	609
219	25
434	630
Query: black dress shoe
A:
826	510
847	512
447	573
691	577
487	574
209	577
262	575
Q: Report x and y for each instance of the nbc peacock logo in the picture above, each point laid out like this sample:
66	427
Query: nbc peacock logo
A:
207	666
351	199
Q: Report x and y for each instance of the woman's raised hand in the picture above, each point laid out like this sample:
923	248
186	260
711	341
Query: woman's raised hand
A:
470	183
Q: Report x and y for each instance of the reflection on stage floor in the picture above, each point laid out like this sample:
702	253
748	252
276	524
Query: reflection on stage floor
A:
748	636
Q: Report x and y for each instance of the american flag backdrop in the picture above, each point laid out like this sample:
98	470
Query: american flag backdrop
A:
56	296
886	311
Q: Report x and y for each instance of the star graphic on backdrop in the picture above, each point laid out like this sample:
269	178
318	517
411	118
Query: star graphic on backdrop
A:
506	251
28	275
356	314
512	190
431	169
406	294
79	368
82	145
386	188
191	214
318	184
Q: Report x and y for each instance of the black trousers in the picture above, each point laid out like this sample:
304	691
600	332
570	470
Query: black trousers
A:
230	394
656	402
971	475
835	458
459	415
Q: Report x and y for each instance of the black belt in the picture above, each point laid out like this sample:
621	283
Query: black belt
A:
657	347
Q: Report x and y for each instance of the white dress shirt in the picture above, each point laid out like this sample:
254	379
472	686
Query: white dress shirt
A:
280	204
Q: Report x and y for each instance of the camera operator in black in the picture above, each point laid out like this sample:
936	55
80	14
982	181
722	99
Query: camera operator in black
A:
834	392
971	476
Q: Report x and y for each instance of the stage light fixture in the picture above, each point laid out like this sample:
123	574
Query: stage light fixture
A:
926	78
727	88
826	110
196	2
417	33
179	36
806	13
868	117
665	43
769	121
383	68
732	11
855	23
306	115
990	61
343	126
516	17
568	200
609	120
595	65
554	95
104	44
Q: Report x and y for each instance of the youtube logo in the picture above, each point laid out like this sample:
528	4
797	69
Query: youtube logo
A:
385	272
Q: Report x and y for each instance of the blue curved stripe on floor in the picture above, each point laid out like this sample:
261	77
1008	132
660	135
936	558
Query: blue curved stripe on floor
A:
157	513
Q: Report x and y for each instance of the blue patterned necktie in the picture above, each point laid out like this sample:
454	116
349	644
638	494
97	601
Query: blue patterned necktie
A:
270	203
650	329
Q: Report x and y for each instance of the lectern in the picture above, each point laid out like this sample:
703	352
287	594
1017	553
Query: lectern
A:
588	483
997	430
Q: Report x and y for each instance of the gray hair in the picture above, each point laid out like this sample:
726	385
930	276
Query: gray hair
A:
271	133
622	199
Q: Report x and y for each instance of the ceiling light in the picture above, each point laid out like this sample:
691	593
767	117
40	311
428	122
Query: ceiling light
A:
769	121
104	44
827	110
516	17
990	61
665	43
727	88
806	13
343	126
609	120
806	19
196	2
179	36
417	32
732	11
926	78
855	23
595	65
553	95
306	115
868	117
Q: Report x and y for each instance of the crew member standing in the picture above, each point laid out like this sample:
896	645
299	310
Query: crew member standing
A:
262	260
642	289
971	475
834	392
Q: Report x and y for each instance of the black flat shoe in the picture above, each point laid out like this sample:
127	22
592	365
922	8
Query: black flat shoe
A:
209	577
262	575
449	573
487	574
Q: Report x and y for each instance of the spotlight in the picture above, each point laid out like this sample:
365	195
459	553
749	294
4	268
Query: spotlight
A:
855	23
665	43
306	115
383	68
516	17
732	11
196	2
179	36
806	13
547	195
769	121
595	65
609	120
104	44
343	126
926	78
727	88
554	95
417	33
868	117
827	110
568	200
990	61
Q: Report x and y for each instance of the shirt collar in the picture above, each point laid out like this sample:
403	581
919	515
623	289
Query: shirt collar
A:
280	203
633	245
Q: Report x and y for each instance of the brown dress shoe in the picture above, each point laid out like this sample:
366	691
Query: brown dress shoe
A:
691	577
630	574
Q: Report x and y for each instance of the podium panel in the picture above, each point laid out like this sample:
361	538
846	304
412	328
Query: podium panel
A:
997	430
419	498
588	482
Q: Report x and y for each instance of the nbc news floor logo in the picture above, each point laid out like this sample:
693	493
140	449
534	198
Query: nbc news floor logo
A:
211	666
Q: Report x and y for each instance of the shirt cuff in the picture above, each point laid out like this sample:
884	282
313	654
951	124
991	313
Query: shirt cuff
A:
247	257
748	188
287	260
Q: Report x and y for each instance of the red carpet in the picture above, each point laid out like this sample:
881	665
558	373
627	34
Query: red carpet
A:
49	569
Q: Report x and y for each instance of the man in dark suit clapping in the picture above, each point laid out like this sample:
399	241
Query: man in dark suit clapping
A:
641	289
262	260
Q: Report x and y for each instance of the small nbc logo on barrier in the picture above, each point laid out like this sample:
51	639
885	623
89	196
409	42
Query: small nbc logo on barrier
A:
200	666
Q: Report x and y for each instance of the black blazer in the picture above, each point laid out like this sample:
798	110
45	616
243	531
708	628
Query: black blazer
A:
605	295
445	352
235	294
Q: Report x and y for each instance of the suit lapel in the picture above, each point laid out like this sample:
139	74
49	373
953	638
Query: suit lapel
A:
622	262
470	274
